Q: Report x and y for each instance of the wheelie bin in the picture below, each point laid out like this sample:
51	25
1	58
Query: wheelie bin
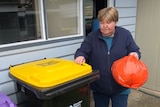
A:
54	82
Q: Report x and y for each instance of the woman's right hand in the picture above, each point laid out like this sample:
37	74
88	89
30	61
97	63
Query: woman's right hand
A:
80	60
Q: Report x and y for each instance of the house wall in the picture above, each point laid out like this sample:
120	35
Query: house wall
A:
127	14
147	36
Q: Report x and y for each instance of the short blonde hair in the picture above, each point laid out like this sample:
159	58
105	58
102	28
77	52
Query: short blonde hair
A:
110	13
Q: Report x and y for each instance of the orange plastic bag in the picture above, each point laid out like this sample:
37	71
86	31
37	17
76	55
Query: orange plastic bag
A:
130	72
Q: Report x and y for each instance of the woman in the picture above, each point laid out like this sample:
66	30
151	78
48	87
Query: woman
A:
100	49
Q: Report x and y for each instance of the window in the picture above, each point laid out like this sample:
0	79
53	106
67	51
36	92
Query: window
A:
26	20
63	17
88	15
19	21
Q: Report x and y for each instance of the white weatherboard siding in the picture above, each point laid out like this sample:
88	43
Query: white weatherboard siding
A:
127	14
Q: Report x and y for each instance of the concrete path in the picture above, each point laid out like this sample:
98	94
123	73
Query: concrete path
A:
139	99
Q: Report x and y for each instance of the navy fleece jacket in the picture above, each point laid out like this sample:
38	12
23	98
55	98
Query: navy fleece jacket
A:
95	51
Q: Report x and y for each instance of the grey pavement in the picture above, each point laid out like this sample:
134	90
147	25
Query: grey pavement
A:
139	99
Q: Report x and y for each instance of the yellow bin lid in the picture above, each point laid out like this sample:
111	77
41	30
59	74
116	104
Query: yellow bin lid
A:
49	72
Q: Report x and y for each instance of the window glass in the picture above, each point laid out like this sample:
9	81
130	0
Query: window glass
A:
64	17
88	15
19	21
88	9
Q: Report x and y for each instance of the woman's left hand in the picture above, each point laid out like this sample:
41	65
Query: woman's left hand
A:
134	54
